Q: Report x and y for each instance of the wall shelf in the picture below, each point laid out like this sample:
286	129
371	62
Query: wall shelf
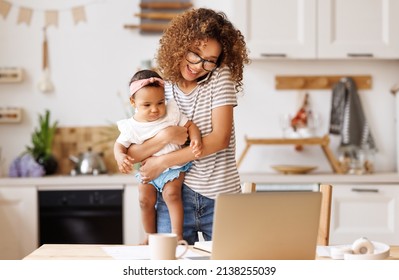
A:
319	82
11	74
155	16
10	115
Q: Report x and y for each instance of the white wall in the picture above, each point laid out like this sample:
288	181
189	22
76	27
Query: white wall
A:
92	61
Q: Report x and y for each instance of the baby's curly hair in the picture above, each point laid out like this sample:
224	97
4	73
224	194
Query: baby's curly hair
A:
144	74
196	25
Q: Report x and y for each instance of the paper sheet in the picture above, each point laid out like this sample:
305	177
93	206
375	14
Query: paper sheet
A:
139	252
323	251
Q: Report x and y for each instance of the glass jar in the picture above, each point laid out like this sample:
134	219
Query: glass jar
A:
369	157
357	161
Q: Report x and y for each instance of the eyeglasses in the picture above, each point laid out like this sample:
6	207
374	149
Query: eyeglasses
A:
194	58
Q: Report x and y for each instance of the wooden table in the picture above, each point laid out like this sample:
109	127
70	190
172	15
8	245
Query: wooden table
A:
94	252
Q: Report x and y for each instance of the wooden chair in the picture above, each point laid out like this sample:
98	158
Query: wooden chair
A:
323	236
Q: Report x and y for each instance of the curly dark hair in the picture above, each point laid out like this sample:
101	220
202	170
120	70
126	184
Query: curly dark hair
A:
196	25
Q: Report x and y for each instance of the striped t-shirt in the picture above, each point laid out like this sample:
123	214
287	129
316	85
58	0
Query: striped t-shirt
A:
216	173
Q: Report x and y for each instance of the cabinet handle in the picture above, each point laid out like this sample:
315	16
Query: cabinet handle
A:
360	55
365	190
273	55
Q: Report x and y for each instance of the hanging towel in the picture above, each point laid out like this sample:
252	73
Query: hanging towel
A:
347	117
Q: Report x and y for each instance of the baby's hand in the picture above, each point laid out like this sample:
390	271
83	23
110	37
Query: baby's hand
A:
196	146
125	163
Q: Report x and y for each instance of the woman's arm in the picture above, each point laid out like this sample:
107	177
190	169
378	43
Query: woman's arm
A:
218	139
173	134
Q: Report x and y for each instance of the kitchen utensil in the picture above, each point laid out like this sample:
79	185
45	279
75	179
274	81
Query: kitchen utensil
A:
293	169
45	84
88	163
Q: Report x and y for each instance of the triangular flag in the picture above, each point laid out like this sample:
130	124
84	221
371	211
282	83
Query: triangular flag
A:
25	15
4	8
78	14
51	18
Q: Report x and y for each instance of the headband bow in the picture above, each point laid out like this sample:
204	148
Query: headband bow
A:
137	85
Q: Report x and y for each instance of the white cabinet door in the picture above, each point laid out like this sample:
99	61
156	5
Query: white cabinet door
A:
278	29
18	222
133	232
361	210
358	28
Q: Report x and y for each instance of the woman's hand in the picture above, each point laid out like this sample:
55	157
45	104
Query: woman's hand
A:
151	168
170	135
196	146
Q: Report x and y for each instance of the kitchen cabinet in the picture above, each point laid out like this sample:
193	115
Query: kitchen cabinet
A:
358	28
18	221
369	210
322	29
133	232
278	29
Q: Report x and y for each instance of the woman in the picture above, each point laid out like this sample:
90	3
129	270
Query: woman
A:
201	56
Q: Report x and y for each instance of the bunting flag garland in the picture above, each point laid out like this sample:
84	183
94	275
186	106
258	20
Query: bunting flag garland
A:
4	8
51	18
25	14
78	14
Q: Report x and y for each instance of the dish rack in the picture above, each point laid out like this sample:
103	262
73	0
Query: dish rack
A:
322	141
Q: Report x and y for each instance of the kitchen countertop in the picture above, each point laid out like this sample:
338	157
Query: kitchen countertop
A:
69	180
259	178
325	178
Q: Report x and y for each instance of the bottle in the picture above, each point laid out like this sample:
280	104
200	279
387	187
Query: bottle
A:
300	120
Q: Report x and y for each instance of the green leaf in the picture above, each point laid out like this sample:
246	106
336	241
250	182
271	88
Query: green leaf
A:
42	137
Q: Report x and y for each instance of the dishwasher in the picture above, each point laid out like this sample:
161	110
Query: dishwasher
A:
81	216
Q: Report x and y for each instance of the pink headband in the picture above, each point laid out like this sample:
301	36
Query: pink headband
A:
137	85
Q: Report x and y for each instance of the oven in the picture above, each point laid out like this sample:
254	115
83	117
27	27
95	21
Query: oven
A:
81	216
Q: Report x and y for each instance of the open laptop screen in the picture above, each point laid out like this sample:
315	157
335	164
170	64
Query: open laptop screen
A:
266	225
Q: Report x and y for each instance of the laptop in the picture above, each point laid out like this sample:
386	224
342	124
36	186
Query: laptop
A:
265	225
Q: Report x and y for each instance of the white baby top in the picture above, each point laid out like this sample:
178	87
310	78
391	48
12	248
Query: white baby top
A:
134	132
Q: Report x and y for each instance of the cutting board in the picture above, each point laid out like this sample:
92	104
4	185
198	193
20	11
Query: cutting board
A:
74	140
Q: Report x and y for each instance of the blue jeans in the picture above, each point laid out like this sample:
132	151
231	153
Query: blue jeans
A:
198	215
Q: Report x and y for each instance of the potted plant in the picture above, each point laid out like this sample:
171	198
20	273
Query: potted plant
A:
42	142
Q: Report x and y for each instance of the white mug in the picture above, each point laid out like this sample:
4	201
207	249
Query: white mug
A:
163	246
